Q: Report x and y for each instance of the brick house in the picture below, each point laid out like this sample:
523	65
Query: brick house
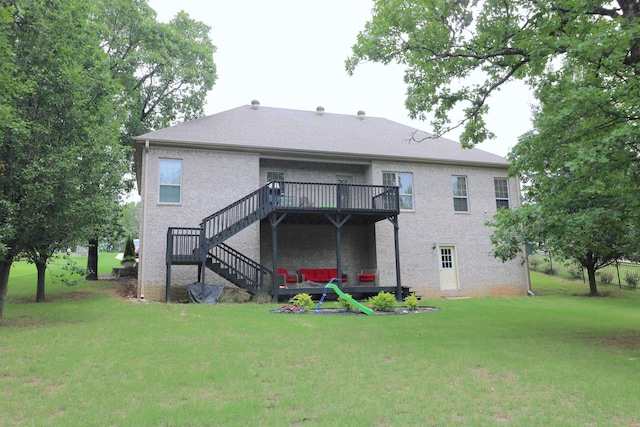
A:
354	193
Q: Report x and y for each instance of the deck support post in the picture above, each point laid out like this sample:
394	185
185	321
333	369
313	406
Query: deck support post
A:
396	242
338	222
274	219
167	297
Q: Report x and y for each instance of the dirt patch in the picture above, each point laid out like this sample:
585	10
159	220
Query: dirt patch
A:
627	340
604	294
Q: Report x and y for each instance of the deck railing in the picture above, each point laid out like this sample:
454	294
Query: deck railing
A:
182	243
239	264
238	215
299	196
338	197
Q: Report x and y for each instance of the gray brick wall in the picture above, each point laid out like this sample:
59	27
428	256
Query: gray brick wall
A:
212	180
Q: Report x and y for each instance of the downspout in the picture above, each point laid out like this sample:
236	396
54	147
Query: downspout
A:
524	248
143	184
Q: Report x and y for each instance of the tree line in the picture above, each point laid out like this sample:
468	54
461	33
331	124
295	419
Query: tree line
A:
79	78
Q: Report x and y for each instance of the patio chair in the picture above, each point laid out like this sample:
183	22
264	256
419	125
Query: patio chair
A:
368	277
283	277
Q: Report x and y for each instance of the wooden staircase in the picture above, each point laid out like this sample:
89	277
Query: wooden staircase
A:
336	203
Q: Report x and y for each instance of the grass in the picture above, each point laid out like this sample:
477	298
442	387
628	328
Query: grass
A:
91	358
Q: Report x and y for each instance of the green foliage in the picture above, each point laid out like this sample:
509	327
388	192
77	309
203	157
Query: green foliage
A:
129	251
165	69
632	278
302	300
445	46
345	304
69	272
580	163
574	269
605	276
411	302
384	301
74	75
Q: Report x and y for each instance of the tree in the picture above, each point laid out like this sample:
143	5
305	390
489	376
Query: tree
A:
164	72
9	120
581	177
64	146
582	58
65	165
447	46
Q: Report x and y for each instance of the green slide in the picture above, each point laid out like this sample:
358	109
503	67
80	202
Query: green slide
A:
336	289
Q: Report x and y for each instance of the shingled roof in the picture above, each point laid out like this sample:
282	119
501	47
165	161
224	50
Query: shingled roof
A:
297	132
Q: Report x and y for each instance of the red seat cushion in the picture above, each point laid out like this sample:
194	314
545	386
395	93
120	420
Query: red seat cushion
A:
367	277
322	275
288	278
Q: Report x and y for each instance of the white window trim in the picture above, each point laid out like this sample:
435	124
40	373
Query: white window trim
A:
160	184
413	195
508	198
466	188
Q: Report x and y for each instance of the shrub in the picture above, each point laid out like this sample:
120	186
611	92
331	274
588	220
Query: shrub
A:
129	251
412	302
262	297
534	263
384	301
347	305
605	277
302	300
632	279
574	270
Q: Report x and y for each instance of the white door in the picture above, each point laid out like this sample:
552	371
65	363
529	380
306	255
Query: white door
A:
448	268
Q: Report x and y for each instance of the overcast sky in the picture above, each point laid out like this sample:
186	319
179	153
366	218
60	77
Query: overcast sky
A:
291	54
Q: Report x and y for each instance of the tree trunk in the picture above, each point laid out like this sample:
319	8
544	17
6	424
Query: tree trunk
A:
42	268
593	287
92	260
5	267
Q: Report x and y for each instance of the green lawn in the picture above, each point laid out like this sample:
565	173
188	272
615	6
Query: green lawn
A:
88	357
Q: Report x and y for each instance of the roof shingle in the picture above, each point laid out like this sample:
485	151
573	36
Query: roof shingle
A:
285	130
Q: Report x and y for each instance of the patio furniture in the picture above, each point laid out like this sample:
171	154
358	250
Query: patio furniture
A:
368	277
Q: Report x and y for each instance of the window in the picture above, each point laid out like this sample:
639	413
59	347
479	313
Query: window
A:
276	176
170	180
446	258
460	199
502	192
403	180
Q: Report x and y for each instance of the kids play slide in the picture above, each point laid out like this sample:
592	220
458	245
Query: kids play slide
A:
336	289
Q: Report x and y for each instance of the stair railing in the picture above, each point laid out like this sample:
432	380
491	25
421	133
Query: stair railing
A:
240	264
237	216
182	243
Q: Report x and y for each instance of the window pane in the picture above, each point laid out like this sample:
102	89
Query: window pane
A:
170	171
169	194
405	182
501	203
275	176
459	185
406	202
446	258
502	191
388	178
460	204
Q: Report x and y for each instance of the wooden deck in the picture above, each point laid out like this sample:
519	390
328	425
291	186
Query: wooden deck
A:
287	203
